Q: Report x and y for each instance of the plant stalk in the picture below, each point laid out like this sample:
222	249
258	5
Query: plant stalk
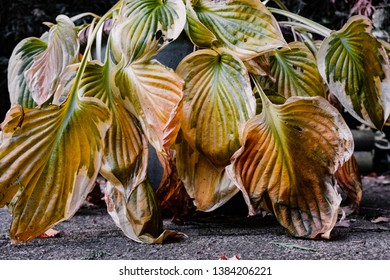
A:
309	24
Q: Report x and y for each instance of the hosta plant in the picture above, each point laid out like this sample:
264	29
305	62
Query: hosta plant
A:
247	111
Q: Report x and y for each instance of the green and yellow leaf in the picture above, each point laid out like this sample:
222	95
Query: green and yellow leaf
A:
125	149
357	71
49	160
21	60
295	70
145	26
209	186
218	100
62	50
289	155
198	33
245	27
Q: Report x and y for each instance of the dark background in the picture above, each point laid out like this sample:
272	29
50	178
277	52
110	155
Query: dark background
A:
23	18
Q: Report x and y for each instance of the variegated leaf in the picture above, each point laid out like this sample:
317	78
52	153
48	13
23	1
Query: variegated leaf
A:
198	33
146	26
357	71
21	60
49	160
125	160
289	155
246	27
62	50
296	73
218	101
125	150
209	186
153	93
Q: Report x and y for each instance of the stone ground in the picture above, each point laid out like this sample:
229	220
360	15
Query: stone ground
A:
91	235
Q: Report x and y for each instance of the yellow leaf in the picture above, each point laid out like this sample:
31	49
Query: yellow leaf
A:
218	101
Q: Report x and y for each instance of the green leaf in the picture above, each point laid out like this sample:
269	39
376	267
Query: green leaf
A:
218	100
209	186
153	93
49	160
296	73
357	71
21	60
62	50
289	155
245	27
146	26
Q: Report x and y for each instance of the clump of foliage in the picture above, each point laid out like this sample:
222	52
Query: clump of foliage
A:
245	111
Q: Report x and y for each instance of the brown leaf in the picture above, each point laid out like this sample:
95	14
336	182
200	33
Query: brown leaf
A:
50	233
235	257
172	195
350	182
381	220
343	224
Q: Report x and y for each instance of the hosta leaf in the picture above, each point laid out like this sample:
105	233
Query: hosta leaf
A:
21	60
198	33
246	27
289	155
357	71
349	180
295	70
125	150
62	50
145	26
153	93
136	213
49	160
218	101
124	164
209	186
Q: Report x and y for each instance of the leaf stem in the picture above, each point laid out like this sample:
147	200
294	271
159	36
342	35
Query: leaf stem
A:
281	5
309	24
80	16
302	27
87	51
